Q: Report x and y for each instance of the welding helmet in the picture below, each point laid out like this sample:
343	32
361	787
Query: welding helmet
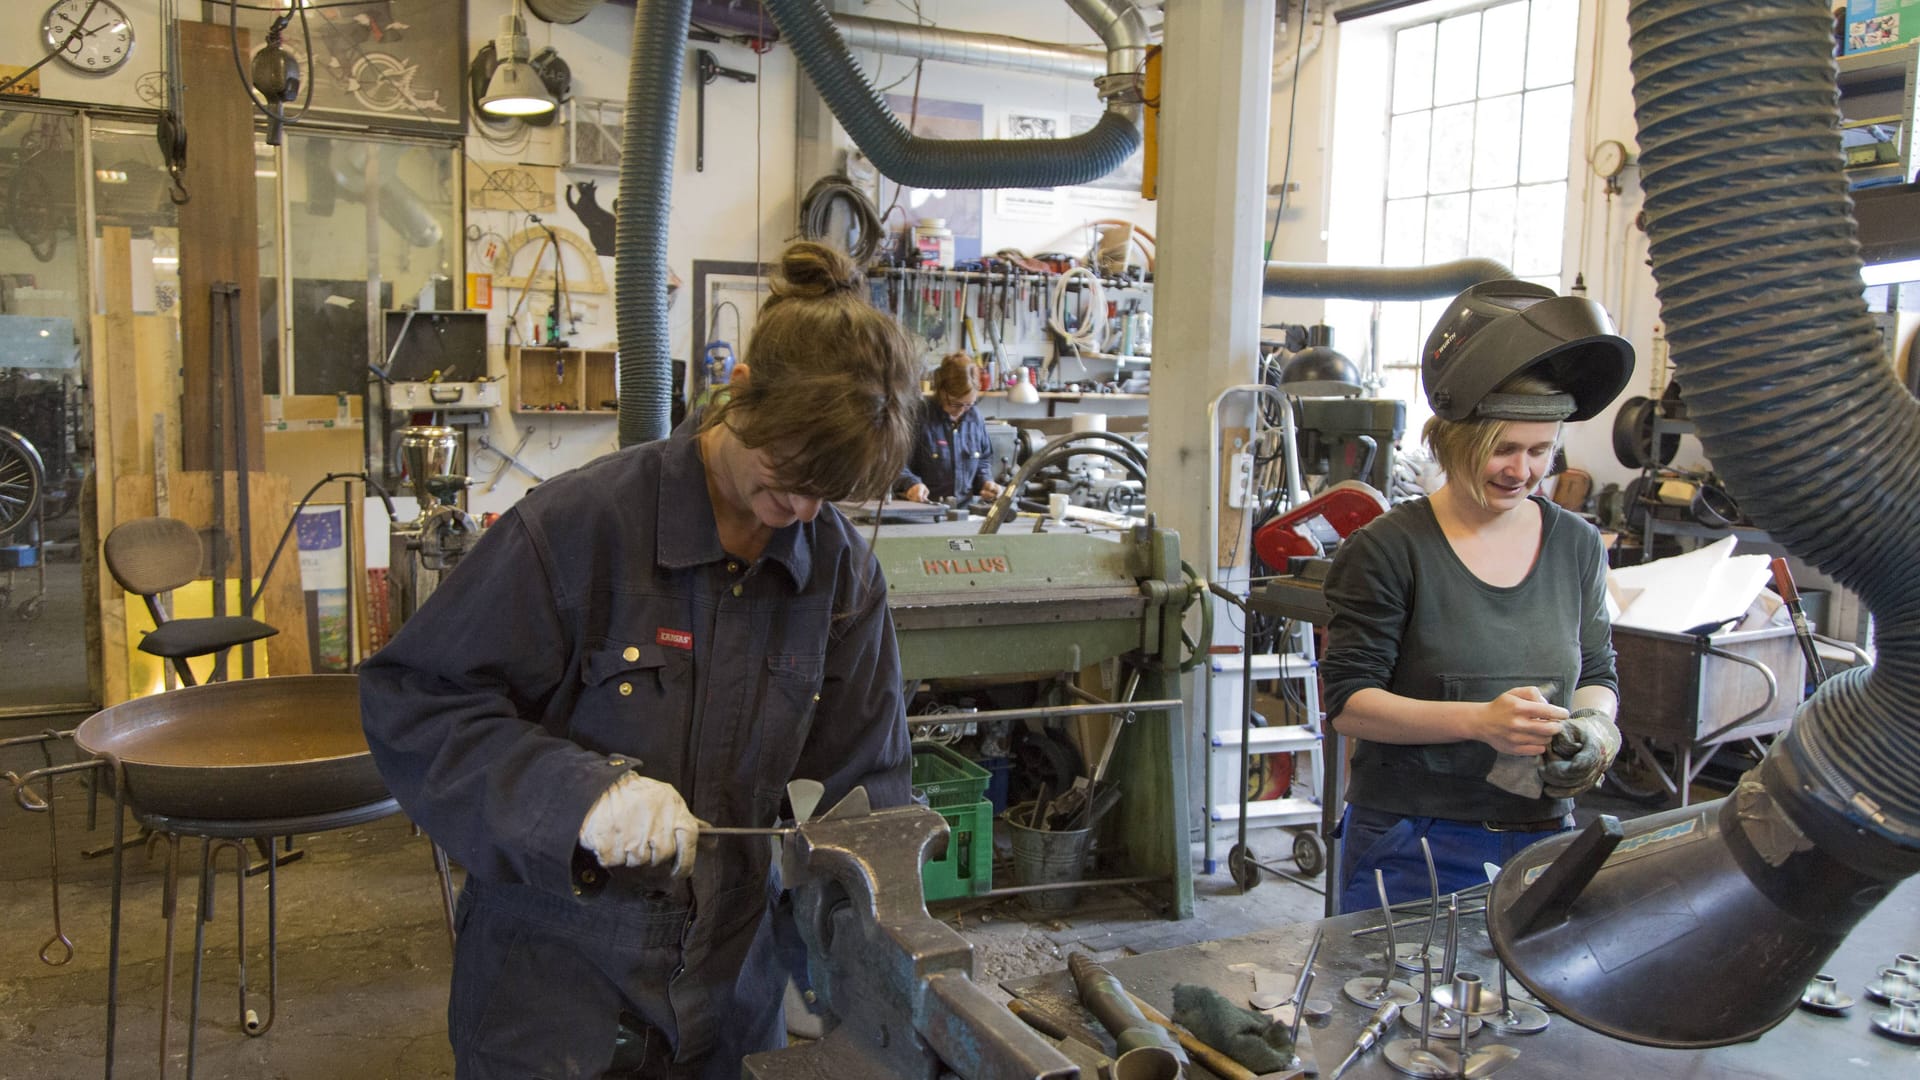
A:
1497	330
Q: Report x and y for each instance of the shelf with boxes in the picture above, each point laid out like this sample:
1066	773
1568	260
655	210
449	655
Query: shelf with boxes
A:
562	381
1878	93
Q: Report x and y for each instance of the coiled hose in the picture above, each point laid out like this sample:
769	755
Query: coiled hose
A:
1758	275
807	27
646	200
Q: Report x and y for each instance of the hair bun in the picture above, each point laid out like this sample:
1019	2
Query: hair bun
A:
810	270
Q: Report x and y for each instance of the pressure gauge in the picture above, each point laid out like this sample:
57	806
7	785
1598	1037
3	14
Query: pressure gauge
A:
101	45
1609	158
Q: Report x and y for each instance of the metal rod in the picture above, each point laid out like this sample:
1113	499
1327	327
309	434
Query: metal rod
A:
1016	890
1048	712
738	830
1416	921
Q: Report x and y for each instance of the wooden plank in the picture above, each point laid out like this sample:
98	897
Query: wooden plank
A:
218	239
284	603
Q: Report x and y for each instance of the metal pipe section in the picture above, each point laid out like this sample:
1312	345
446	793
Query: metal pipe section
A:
656	71
1107	1000
807	27
1122	30
972	49
1314	281
1054	712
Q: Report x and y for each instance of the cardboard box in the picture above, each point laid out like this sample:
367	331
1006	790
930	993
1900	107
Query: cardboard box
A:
1873	25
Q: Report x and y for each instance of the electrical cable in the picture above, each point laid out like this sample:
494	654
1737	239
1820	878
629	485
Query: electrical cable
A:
72	37
816	215
1293	100
294	521
1091	333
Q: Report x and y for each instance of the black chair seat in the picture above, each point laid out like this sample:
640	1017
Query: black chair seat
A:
198	637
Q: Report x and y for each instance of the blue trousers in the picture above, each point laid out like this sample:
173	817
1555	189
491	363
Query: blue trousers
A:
1375	840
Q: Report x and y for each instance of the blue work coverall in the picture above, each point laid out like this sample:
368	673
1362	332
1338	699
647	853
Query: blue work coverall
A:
951	457
598	628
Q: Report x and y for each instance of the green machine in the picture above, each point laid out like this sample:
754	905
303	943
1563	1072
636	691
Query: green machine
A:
1026	606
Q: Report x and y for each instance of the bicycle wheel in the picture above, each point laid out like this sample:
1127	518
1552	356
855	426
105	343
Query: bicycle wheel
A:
21	479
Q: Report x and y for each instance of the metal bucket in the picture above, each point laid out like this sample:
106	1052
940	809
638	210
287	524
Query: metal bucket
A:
1047	857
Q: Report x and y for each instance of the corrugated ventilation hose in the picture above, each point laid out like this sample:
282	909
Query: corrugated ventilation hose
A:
807	27
1758	274
646	199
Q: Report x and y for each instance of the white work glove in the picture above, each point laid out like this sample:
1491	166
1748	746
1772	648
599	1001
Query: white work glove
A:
641	822
1595	742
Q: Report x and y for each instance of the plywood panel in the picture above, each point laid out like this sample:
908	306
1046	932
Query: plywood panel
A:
219	239
191	500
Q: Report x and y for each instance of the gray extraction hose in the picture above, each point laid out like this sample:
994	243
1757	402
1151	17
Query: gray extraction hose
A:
807	27
1758	274
646	199
1379	282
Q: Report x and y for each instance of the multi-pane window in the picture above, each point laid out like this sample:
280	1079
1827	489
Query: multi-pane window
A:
1479	119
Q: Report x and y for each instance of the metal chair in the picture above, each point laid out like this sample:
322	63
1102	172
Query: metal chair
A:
154	555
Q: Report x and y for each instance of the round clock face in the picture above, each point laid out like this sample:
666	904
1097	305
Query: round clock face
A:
1609	158
102	44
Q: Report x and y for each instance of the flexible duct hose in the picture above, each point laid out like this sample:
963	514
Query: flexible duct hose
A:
1758	275
646	200
1379	282
905	158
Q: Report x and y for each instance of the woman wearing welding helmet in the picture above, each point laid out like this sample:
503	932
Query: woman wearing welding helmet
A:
1470	627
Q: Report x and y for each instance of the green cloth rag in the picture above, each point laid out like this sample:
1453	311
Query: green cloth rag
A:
1243	1035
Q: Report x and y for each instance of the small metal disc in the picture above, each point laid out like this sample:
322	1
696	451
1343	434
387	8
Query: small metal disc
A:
1490	1002
1883	1022
1434	1063
1408	956
1519	1018
1361	991
1444	1024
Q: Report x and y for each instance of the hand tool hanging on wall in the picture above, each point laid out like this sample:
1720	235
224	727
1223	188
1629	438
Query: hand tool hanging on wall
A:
706	69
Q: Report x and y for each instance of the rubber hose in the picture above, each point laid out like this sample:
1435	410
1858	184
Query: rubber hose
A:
997	514
641	219
1379	282
1757	270
807	27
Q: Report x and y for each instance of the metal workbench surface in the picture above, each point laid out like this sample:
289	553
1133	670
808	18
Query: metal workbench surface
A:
1803	1045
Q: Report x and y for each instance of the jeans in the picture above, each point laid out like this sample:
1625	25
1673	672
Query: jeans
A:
1374	840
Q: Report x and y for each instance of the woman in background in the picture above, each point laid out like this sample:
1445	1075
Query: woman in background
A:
951	453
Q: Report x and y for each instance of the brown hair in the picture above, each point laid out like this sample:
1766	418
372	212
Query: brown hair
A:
830	376
957	378
1463	447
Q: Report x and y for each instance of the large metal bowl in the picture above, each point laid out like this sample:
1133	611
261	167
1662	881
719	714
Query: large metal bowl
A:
251	750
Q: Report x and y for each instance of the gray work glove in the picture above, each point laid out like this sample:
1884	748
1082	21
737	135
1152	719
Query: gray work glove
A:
1580	755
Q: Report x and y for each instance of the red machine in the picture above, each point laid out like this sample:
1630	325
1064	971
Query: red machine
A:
1314	527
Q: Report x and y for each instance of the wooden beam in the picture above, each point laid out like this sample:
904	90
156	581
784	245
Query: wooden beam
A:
218	240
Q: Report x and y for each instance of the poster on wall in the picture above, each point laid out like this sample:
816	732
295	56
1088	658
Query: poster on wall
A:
384	64
961	210
1029	204
511	186
1119	189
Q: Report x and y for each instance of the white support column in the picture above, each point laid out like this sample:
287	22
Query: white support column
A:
1218	65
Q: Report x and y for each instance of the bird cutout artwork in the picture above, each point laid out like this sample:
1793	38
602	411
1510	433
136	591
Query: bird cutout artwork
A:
597	220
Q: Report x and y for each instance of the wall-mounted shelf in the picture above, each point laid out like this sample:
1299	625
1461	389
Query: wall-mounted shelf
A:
558	382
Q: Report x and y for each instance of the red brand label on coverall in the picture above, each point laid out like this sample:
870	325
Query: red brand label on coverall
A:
677	639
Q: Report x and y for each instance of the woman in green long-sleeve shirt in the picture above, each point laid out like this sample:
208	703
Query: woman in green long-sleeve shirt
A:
1470	627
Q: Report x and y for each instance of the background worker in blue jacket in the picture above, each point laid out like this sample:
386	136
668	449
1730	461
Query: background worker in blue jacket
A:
658	640
951	453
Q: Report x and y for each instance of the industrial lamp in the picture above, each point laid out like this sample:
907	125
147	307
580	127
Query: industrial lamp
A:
515	88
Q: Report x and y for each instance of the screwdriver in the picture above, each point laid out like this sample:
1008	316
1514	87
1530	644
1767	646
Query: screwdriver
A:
1382	1019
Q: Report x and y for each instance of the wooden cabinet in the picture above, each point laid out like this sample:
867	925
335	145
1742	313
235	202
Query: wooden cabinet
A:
561	381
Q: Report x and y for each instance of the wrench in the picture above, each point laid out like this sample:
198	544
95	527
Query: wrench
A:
512	459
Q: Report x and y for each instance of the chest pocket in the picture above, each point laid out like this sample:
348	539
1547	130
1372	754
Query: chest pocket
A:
637	700
783	715
1472	758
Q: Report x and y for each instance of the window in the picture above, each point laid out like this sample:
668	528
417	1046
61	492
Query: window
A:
1463	151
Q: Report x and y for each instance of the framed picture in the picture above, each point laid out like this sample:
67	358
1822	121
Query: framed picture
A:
386	64
726	301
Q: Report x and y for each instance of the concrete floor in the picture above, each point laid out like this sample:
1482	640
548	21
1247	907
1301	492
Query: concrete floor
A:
364	956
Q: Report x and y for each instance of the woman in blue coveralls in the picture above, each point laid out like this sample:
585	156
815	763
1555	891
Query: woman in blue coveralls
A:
1470	627
658	640
951	453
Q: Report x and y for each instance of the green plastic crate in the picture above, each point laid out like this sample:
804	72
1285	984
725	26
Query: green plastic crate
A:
946	778
967	867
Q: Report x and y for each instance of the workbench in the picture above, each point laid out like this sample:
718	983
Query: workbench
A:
1803	1045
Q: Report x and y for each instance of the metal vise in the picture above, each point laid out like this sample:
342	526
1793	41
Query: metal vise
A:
898	981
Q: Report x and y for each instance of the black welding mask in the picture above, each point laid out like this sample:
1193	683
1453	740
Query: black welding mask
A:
1497	330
